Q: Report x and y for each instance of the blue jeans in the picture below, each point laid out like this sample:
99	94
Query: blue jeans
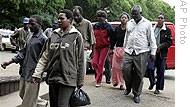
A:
160	65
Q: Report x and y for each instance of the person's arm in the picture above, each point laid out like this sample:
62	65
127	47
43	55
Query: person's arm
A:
15	59
92	39
41	65
113	40
92	53
152	41
5	64
15	34
168	43
80	70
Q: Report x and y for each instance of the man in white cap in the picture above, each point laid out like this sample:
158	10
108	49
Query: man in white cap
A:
20	35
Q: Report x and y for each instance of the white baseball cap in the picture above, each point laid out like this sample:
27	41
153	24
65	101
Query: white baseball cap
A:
26	20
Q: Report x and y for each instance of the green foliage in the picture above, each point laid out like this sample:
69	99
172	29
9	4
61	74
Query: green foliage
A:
13	11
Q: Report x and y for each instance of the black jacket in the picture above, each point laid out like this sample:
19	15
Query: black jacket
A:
165	40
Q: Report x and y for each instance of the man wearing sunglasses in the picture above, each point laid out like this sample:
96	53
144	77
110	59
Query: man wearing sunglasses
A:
163	41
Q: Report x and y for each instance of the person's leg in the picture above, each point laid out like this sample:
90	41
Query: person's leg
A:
31	94
140	62
126	71
150	70
102	58
85	60
107	71
21	87
95	62
160	74
53	95
114	74
64	95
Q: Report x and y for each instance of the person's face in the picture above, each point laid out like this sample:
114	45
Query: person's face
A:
63	22
136	15
101	19
34	26
161	19
26	26
124	19
77	15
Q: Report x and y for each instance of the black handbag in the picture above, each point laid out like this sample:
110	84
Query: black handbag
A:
79	98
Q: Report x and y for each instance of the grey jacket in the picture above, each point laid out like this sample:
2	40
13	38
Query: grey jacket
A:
63	59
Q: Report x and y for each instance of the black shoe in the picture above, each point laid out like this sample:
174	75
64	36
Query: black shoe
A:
115	84
150	87
156	92
126	92
108	82
136	99
122	87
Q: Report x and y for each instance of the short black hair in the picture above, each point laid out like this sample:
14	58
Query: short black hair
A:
163	15
101	13
38	19
79	8
68	13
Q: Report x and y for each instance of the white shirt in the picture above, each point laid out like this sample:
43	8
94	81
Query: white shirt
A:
139	37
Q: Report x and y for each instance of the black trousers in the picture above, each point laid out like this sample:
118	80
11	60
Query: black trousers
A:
107	67
60	94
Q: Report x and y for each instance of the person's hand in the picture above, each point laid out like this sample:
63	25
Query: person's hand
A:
158	48
23	41
35	80
153	58
91	55
5	64
79	86
111	52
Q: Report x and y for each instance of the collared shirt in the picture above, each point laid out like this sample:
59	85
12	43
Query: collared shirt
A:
86	29
139	37
31	54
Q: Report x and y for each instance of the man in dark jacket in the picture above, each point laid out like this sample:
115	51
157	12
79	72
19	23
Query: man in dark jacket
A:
163	40
30	55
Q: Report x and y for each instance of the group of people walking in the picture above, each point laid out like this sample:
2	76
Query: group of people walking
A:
63	54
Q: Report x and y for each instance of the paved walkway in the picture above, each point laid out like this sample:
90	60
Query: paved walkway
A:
13	99
107	94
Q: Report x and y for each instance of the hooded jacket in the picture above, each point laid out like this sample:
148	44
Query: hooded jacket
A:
63	59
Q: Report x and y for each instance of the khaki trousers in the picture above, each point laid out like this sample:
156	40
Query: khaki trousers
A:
28	93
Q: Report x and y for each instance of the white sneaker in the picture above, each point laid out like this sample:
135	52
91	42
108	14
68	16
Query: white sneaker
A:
42	103
98	84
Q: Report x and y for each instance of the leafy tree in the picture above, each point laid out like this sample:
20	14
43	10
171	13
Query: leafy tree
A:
12	12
